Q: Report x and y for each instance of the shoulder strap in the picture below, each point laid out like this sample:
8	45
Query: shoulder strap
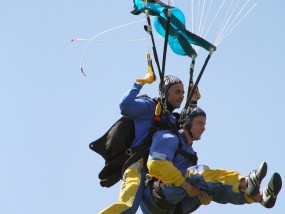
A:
193	158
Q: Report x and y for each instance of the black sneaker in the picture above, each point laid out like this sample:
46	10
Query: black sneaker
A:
270	192
254	179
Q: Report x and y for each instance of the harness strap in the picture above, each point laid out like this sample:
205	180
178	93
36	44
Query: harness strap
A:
193	158
156	194
134	155
155	191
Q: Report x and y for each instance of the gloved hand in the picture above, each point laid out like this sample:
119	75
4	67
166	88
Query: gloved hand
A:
204	198
150	76
196	96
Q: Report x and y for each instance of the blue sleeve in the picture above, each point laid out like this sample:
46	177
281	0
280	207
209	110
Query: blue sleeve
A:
160	163
164	145
136	108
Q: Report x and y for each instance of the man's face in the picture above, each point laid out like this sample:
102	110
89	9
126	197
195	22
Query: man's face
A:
176	95
198	127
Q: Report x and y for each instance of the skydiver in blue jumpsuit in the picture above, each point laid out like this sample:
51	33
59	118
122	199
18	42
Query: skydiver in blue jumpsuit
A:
142	112
181	179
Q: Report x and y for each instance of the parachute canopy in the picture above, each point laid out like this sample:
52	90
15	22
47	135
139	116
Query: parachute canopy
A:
179	39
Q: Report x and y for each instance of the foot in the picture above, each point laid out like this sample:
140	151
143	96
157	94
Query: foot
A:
254	179
270	192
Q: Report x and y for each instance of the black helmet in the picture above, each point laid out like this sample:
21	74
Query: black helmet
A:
188	114
167	83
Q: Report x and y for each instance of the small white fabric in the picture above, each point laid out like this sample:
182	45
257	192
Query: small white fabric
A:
159	156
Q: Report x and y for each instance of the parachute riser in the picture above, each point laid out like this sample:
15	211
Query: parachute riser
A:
198	80
165	44
167	29
148	28
191	72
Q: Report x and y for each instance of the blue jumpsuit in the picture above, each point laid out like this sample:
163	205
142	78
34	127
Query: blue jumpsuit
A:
142	112
173	168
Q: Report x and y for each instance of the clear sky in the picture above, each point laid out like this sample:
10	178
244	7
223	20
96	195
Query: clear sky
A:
50	112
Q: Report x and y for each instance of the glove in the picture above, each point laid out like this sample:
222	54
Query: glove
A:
197	93
204	198
196	96
150	76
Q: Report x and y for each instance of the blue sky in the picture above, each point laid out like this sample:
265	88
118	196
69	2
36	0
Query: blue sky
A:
50	112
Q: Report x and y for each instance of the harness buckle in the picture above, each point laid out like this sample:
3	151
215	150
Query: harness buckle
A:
148	178
129	152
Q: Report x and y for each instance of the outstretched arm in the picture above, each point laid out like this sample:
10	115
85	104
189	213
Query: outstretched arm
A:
136	108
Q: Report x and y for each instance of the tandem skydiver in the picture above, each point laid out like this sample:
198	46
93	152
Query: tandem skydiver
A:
142	111
175	178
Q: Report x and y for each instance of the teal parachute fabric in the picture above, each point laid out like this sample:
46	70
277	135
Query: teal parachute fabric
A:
155	7
180	39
